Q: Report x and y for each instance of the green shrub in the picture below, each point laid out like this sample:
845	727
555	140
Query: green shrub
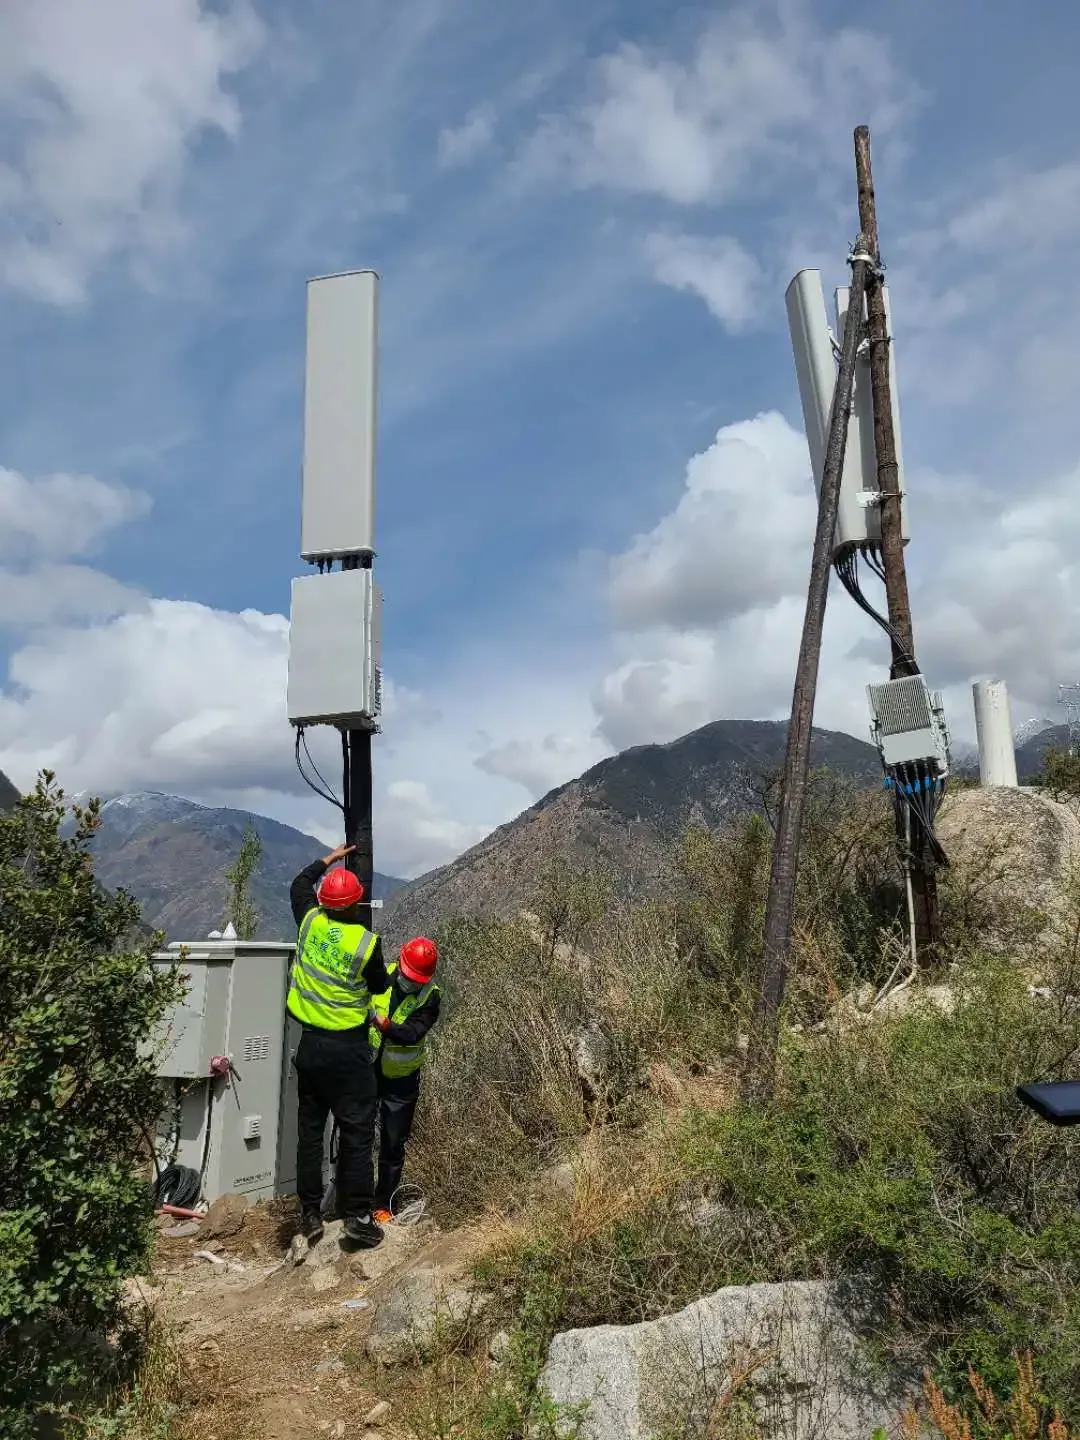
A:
1060	774
665	980
895	1150
78	1097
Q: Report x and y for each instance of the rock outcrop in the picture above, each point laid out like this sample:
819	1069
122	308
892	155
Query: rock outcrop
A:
790	1353
1015	851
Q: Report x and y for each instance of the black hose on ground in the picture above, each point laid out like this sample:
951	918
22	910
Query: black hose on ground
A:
177	1185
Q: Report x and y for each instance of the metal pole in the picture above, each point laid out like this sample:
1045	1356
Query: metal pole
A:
924	878
356	745
780	906
357	790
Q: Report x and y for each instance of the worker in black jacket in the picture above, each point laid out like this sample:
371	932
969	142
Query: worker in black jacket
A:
337	967
401	1017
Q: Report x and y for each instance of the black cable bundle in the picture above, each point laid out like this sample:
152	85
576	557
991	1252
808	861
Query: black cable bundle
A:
919	788
177	1185
847	567
322	789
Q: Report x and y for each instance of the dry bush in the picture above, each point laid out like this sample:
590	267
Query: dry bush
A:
500	1091
849	901
1023	1415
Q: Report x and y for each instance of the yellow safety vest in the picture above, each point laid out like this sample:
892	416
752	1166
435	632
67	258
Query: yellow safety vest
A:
397	1061
325	985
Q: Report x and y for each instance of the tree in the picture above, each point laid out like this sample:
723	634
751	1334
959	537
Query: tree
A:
79	1099
244	916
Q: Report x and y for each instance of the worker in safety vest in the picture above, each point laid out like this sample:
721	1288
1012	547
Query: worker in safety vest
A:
338	965
401	1017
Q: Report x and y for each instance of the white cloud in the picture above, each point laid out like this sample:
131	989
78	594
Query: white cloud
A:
170	695
61	595
708	606
542	765
733	541
102	105
762	87
175	696
707	609
717	269
62	515
467	142
415	830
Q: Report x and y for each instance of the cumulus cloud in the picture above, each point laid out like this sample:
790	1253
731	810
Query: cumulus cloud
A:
174	697
61	595
708	605
717	269
542	765
61	515
462	145
761	86
414	828
732	543
102	105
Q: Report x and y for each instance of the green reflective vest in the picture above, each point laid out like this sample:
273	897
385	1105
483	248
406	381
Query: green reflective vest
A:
325	985
397	1061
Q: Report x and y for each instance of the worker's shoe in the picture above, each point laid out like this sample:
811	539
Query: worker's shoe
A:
382	1217
311	1226
362	1230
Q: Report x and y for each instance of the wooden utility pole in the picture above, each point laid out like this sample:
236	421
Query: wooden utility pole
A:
780	906
923	874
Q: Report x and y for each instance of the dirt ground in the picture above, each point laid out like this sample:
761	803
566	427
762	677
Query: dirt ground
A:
271	1349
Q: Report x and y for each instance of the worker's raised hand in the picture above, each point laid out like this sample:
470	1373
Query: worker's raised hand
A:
338	853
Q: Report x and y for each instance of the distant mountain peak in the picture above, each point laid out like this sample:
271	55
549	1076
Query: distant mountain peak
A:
172	854
1028	729
151	800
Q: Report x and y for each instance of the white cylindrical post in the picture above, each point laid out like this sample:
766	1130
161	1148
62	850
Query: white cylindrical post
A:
993	727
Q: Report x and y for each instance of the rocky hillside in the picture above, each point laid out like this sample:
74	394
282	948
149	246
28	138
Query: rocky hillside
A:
1029	755
8	793
623	813
172	854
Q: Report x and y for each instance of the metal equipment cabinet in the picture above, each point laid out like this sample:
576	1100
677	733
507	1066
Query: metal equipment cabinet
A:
236	1123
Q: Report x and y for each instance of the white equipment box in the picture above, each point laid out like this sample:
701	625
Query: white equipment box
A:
236	1124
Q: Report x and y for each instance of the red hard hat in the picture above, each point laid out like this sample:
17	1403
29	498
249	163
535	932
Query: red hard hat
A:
339	889
418	959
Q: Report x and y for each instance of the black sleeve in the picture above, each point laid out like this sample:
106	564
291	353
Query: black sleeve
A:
302	890
413	1030
374	972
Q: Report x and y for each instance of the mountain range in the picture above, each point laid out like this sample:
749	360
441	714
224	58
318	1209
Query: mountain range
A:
623	813
172	854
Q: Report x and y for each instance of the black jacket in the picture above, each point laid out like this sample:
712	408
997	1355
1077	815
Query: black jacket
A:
412	1030
302	899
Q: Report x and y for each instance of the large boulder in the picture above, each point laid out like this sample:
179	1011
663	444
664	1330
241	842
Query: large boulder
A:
1014	851
790	1353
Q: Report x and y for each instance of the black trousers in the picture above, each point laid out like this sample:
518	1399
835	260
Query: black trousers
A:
397	1109
335	1074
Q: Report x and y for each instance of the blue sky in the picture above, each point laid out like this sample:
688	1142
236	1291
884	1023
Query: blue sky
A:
584	217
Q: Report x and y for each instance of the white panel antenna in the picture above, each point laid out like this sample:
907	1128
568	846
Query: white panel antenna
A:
340	384
861	423
858	519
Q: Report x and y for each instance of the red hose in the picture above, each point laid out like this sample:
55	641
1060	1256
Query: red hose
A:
176	1210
